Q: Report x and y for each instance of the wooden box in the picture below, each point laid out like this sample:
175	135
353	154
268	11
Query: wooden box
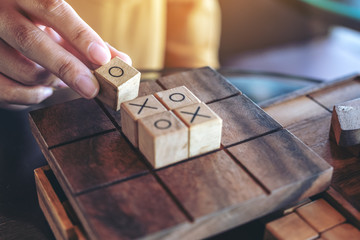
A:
116	194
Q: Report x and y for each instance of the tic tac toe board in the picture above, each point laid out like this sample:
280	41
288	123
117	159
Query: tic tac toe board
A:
116	194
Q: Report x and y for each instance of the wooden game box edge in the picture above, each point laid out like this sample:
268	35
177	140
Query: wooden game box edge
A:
54	211
202	227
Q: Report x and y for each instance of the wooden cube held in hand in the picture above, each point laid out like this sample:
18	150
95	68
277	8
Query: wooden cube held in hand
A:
134	110
345	123
176	97
163	139
119	82
205	128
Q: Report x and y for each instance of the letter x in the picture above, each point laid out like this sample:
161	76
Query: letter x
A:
142	106
196	113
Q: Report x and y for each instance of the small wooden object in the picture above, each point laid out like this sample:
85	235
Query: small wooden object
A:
346	123
177	97
135	109
163	139
204	128
344	231
53	209
289	227
320	215
118	81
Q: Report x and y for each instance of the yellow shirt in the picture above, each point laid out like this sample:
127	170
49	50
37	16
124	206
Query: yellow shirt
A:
157	33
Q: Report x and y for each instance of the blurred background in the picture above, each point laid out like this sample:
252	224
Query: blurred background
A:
306	41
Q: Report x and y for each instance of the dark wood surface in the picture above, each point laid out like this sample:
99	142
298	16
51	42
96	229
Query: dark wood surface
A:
279	154
80	168
98	161
206	83
242	119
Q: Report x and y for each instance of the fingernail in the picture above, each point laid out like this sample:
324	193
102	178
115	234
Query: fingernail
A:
126	58
86	86
47	92
99	54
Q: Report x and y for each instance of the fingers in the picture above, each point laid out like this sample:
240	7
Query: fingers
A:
64	20
13	93
117	53
18	67
32	42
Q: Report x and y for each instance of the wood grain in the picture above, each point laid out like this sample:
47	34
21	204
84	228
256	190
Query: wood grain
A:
344	231
345	123
320	215
207	84
205	128
133	110
176	97
97	161
56	126
52	208
118	82
210	183
295	111
337	93
289	227
242	119
282	155
341	204
163	139
129	210
146	88
346	174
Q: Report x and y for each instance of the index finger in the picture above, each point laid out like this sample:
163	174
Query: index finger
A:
63	19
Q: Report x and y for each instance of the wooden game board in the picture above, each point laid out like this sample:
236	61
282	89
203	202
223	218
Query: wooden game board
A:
261	167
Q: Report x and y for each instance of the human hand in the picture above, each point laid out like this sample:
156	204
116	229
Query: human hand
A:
45	44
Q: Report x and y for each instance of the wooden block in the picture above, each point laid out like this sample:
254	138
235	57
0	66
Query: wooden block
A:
69	121
320	215
344	231
176	97
342	205
52	208
146	88
163	139
97	161
337	93
346	123
130	210
242	119
203	188
289	227
205	128
296	111
283	155
207	84
118	81
133	110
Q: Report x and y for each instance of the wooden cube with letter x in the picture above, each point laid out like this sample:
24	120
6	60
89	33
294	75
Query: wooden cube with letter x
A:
163	139
119	82
205	128
133	110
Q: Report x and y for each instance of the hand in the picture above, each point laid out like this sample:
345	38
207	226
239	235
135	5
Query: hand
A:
45	44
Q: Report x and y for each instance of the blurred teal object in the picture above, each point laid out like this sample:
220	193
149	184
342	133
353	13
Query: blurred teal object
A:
260	87
347	8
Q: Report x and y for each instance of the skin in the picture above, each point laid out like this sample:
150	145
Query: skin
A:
44	45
